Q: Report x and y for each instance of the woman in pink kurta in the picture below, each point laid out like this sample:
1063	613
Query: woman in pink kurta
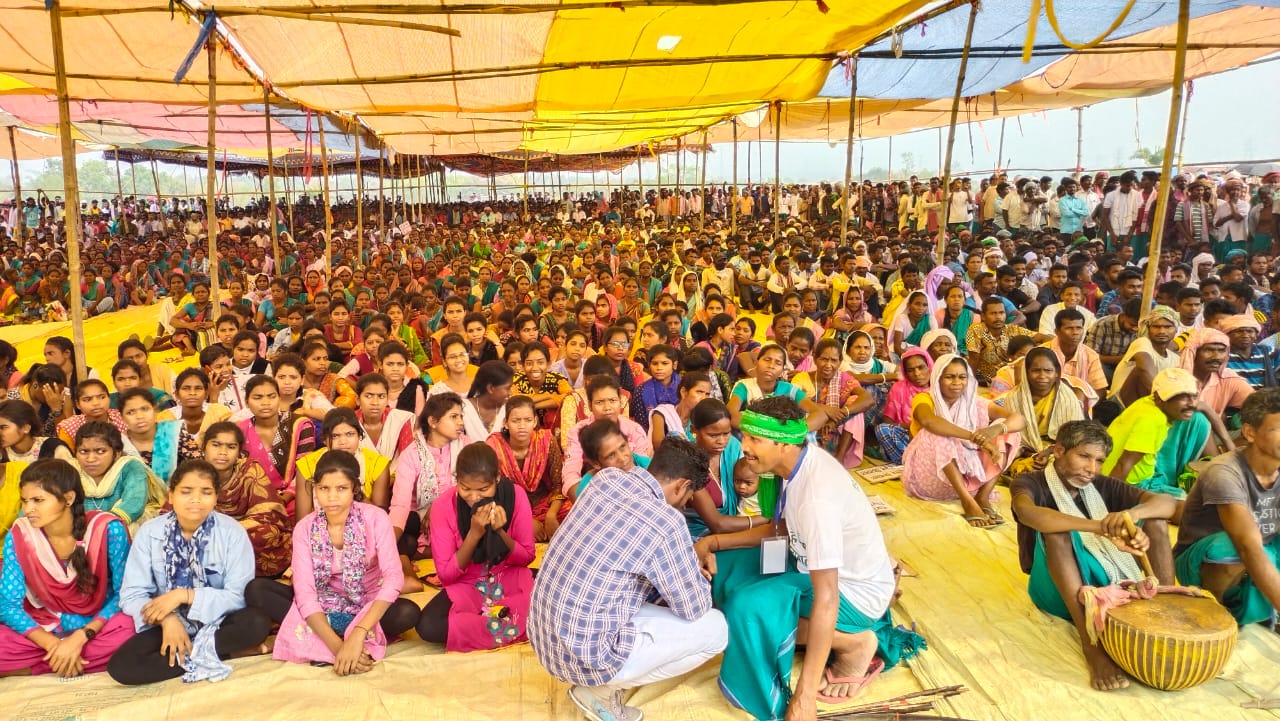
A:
345	599
481	534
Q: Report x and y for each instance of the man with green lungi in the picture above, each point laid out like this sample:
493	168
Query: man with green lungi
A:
1072	533
820	576
1229	543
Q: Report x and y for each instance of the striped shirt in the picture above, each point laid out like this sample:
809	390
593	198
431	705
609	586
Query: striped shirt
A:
1258	368
622	546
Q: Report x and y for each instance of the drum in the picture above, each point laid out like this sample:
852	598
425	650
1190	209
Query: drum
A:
1172	641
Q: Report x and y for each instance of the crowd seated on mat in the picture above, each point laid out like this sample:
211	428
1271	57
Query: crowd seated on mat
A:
667	389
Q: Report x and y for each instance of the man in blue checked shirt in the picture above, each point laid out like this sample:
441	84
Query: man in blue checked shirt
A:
594	619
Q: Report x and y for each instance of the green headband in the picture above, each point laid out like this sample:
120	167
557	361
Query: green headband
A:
762	426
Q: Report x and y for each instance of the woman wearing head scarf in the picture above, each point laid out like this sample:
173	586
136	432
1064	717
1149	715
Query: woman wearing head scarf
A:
939	342
893	434
1045	396
911	321
955	315
971	439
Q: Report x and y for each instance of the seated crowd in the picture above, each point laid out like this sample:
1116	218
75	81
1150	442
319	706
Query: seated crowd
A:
672	411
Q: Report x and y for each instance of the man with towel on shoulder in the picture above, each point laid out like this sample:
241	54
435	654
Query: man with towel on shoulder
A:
1071	533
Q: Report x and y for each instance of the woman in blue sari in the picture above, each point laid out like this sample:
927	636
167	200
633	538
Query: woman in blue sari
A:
714	508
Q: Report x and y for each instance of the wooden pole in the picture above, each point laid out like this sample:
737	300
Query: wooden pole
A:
524	212
382	198
155	180
848	152
733	194
1000	147
777	170
120	182
19	226
1079	142
328	216
211	144
679	199
1182	136
288	198
359	199
71	189
702	187
640	177
271	187
951	135
1171	137
890	168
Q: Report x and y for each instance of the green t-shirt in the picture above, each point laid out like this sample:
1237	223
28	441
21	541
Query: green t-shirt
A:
1141	428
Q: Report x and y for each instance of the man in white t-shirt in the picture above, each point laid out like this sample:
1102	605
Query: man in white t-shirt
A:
833	557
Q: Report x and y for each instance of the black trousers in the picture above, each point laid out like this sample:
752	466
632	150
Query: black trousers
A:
407	544
275	598
433	626
139	661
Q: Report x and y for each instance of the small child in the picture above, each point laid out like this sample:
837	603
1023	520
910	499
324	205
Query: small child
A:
746	484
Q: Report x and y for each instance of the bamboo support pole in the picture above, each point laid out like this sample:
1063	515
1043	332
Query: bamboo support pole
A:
18	224
71	189
702	187
733	192
120	181
155	180
1079	142
1171	137
1182	135
359	201
848	152
777	170
382	209
211	145
271	187
328	204
951	136
1000	147
524	189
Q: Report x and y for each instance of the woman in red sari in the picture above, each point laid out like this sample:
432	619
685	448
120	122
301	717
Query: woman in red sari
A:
274	439
530	457
60	584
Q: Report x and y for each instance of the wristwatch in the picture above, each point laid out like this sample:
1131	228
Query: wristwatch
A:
89	633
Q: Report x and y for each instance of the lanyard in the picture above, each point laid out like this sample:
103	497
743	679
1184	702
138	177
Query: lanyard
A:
781	503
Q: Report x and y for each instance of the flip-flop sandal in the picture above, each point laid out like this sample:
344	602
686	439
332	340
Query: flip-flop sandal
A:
994	516
859	683
983	522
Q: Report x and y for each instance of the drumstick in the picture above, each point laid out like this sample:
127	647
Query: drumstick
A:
1142	557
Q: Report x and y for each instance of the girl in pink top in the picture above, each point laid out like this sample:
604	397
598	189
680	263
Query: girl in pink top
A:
345	600
482	542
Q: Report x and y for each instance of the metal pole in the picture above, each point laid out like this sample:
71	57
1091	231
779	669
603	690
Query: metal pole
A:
524	212
271	187
211	144
71	188
328	215
848	153
678	201
1171	136
951	136
640	176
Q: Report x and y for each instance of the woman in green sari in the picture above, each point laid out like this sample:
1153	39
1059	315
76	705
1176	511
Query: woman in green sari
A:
955	315
714	508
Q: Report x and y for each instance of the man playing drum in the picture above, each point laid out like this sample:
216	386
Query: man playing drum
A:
1072	532
1228	542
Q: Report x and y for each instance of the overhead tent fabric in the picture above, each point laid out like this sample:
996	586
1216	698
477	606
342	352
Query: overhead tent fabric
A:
1115	70
131	54
546	65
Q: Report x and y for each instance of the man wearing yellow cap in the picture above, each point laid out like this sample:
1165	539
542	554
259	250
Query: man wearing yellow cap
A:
1158	435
